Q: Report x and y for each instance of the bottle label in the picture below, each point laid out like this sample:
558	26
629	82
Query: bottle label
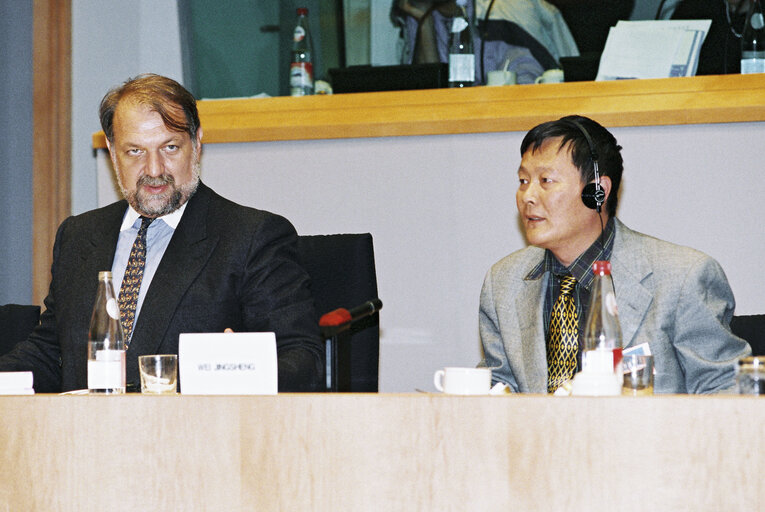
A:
752	64
598	361
459	24
298	34
611	306
461	67
107	370
301	75
757	21
113	309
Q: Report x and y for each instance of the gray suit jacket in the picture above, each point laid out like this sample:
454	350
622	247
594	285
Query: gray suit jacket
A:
674	298
226	266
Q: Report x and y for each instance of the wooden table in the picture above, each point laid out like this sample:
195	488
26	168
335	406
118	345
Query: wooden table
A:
381	452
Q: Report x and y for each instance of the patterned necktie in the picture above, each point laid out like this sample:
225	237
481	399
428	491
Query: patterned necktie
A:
131	283
563	340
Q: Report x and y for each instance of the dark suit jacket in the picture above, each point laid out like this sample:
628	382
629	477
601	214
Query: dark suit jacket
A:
226	266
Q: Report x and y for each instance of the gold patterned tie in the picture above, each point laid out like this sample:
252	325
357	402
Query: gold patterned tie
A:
563	339
131	283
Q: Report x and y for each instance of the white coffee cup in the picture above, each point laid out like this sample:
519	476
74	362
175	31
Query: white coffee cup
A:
550	76
463	381
500	77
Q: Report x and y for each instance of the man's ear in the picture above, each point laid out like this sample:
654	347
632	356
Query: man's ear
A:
605	184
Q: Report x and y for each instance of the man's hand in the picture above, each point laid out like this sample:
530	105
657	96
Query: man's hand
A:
418	8
738	5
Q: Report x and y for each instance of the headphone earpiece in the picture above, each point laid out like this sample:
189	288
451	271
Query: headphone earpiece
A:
593	195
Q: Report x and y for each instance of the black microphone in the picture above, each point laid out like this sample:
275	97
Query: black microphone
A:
341	319
370	307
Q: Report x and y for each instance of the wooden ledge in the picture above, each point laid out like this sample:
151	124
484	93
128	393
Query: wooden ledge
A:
669	101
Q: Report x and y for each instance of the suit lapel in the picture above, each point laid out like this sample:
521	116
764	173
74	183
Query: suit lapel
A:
97	254
533	353
94	253
187	254
629	271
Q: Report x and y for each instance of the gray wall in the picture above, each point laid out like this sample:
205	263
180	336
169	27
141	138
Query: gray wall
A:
16	151
435	238
113	40
441	209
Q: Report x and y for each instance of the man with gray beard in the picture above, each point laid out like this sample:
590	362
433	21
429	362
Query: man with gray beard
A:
210	264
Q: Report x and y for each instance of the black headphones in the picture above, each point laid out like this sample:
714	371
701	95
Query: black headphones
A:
593	194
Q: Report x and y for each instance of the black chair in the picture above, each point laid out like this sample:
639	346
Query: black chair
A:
16	322
752	329
342	270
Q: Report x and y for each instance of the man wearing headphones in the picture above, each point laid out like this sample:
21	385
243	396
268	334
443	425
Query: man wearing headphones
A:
674	299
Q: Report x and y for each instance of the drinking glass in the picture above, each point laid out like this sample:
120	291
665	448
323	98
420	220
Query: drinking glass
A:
750	376
159	374
638	375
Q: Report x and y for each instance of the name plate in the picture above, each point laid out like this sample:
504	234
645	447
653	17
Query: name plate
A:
16	383
240	363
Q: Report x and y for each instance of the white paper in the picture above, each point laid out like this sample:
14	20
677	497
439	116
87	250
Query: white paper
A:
642	349
16	381
17	391
241	363
652	49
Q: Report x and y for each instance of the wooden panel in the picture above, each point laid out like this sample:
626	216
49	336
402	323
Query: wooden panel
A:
52	130
381	452
703	99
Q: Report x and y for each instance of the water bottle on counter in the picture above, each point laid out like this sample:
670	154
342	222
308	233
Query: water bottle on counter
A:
301	67
602	352
106	341
753	40
461	54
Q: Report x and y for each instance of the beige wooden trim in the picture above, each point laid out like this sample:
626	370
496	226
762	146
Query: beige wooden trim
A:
52	130
380	452
703	99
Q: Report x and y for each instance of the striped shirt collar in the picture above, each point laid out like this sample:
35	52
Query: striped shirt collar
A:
581	267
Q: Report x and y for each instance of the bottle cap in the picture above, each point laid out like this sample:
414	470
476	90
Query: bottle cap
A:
104	274
302	11
602	268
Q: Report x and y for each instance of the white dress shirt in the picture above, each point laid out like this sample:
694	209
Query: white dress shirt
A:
158	237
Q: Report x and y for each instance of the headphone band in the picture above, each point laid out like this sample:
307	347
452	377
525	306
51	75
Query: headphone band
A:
593	194
591	145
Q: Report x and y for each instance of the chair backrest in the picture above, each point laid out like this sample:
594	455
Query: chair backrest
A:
342	270
16	322
752	329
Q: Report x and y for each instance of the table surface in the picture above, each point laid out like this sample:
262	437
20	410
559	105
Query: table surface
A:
381	452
